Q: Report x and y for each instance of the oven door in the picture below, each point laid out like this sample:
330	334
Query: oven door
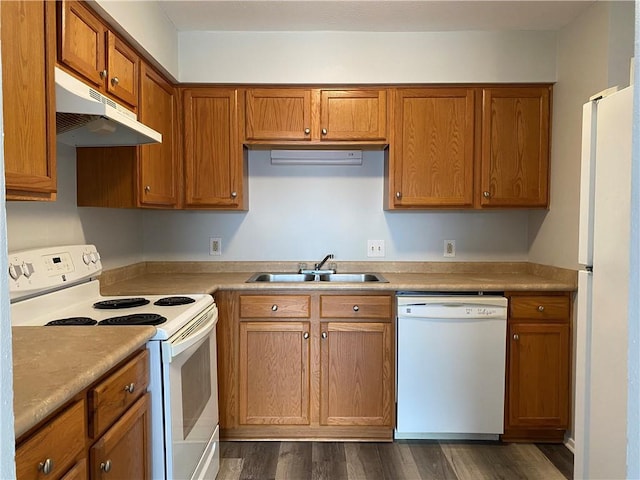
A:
191	394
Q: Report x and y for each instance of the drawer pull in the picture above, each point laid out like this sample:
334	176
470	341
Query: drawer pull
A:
274	308
324	335
105	466
324	131
307	131
305	335
540	308
46	467
356	308
130	388
516	336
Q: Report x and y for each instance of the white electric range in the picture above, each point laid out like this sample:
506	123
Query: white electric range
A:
57	287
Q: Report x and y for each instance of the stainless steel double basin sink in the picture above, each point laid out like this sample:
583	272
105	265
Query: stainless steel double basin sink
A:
325	277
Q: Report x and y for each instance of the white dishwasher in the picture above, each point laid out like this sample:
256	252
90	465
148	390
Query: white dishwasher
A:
450	366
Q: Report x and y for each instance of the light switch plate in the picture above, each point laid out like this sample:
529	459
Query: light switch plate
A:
375	248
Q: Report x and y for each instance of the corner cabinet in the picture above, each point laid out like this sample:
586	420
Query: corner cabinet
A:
306	365
214	160
314	116
27	30
146	176
538	367
515	147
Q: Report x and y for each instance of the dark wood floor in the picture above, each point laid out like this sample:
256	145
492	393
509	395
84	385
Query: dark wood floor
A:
400	460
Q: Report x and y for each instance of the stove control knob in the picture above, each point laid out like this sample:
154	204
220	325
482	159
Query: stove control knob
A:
86	259
15	271
93	257
27	269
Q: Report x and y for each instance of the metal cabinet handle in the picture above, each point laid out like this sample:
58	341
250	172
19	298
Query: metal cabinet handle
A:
398	195
103	74
274	308
356	308
46	467
516	336
105	466
324	131
305	335
130	388
486	194
234	194
115	81
147	188
541	308
307	131
324	335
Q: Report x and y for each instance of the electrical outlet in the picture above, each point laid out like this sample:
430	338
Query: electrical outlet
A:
215	246
375	248
449	248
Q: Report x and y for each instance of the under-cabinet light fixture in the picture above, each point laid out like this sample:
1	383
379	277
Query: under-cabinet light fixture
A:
316	157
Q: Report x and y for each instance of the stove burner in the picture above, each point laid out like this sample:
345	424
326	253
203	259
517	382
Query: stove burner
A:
172	301
121	303
135	319
72	321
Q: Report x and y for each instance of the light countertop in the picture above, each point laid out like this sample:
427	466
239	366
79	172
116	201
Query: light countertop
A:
52	365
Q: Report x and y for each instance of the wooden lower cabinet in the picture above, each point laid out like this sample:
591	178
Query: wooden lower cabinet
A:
538	368
291	368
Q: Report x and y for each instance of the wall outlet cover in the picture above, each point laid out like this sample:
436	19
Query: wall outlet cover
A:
215	246
449	248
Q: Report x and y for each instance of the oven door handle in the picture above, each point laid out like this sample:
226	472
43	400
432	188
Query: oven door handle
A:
192	336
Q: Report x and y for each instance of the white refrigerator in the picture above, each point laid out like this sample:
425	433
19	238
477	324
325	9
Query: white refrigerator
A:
600	424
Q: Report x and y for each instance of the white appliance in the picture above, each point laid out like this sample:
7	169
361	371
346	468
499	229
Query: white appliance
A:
59	284
86	118
601	324
451	354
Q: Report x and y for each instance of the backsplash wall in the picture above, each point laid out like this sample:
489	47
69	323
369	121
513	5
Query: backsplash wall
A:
304	212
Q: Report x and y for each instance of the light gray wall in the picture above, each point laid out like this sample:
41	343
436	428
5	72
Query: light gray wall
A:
304	212
116	233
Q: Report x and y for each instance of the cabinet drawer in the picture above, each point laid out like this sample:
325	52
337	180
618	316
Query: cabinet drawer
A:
274	306
58	443
109	399
540	307
355	306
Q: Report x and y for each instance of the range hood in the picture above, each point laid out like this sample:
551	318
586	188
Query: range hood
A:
86	118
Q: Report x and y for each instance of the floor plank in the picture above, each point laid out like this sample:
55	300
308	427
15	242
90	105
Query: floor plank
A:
230	469
294	461
363	461
431	460
560	456
328	461
397	461
260	460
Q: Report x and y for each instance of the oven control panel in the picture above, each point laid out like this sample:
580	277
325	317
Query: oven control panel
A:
40	270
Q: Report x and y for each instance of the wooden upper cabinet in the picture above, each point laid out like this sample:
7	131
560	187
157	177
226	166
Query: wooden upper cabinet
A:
213	156
159	164
278	114
515	147
314	115
432	157
88	49
27	32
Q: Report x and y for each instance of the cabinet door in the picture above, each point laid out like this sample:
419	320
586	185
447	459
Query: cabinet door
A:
77	472
515	147
159	163
124	450
82	40
278	114
28	57
274	373
433	152
353	115
538	375
356	374
123	70
213	161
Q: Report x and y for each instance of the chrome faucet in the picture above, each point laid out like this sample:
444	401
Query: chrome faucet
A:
317	268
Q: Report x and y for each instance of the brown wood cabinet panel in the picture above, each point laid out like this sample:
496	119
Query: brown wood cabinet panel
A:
433	151
60	441
356	306
77	472
81	41
359	114
274	373
278	114
515	146
27	38
213	157
538	375
274	306
159	166
356	376
123	67
540	307
124	450
109	399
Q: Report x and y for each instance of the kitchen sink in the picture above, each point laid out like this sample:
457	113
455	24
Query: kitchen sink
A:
325	277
